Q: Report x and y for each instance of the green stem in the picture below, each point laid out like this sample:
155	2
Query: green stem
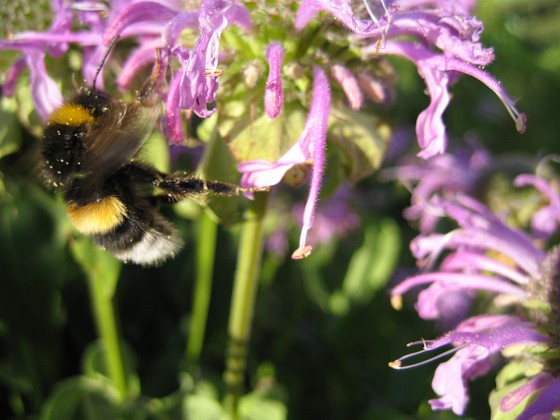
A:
205	256
243	300
107	329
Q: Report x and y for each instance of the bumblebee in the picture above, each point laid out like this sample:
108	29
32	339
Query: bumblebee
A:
90	150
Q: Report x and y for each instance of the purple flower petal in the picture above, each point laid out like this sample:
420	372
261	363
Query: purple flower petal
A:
429	125
480	338
177	24
341	10
545	221
443	174
9	85
495	332
371	87
446	303
61	25
198	83
486	230
260	173
172	122
434	68
44	90
140	58
142	11
466	281
274	94
466	260
450	379
237	14
546	403
430	128
481	230
310	146
512	400
316	128
475	342
349	84
455	34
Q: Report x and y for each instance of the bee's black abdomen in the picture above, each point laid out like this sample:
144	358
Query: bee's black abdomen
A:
123	236
143	237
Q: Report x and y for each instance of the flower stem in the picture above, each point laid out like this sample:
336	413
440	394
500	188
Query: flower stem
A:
104	314
243	300
205	256
102	271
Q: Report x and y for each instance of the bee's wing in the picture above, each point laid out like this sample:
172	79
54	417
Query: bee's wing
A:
110	146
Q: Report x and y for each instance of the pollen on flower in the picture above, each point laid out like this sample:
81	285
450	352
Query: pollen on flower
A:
519	118
521	122
214	73
396	302
395	364
302	252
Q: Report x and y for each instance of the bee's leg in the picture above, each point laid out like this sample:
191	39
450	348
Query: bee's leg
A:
142	173
180	186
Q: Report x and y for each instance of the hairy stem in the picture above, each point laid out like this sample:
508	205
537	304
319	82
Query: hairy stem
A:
243	300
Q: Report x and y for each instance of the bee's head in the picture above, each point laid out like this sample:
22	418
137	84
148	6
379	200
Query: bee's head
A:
95	101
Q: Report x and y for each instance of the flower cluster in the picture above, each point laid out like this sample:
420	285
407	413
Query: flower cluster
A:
199	45
460	171
484	255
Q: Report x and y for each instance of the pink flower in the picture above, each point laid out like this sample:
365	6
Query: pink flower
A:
273	94
475	342
309	147
349	84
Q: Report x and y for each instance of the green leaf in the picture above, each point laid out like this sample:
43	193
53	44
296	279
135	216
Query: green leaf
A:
370	268
94	363
156	151
218	165
248	47
361	138
82	398
202	407
373	263
255	406
315	283
262	138
26	111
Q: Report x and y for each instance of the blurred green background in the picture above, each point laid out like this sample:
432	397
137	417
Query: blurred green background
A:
323	329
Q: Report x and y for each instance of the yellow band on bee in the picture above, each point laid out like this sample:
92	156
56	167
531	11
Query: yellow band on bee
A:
99	217
70	114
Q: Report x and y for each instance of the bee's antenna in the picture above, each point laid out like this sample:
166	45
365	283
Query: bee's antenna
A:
111	45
